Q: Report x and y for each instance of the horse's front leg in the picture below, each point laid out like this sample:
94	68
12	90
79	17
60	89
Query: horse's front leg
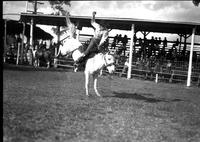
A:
87	83
101	72
95	76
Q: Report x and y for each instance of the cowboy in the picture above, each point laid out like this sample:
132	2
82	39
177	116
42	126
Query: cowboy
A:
99	38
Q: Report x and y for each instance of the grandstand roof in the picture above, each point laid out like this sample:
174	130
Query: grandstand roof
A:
117	23
15	27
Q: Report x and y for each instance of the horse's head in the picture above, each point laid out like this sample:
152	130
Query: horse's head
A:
110	62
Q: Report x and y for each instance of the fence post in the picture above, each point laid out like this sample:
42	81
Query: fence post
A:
55	62
5	41
190	60
171	78
131	52
18	50
156	78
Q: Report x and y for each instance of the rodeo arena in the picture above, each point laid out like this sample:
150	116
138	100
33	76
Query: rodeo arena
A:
147	88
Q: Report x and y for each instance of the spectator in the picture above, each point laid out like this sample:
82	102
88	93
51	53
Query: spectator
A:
152	46
45	45
164	46
115	38
177	42
11	40
146	45
140	42
156	46
113	45
125	68
165	42
134	38
124	42
159	40
119	38
156	41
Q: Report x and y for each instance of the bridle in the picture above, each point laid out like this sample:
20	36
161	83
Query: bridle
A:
106	63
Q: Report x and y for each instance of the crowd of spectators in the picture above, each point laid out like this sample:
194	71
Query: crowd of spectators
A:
14	43
118	39
147	47
153	53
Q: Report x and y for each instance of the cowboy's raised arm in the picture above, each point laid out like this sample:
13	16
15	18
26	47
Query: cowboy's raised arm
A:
93	23
68	22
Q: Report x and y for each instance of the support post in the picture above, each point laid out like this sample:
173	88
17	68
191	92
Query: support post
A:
5	41
58	39
18	50
190	59
180	43
131	52
78	34
77	31
31	34
56	48
22	43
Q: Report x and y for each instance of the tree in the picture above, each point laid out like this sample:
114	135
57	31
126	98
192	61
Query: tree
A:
60	6
60	9
196	2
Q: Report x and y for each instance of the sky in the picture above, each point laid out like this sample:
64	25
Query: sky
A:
182	11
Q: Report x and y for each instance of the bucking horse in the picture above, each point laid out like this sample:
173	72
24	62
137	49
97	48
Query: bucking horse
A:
94	63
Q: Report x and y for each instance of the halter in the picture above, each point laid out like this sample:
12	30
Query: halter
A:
106	64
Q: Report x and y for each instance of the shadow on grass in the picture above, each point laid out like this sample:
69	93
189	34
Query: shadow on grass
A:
144	97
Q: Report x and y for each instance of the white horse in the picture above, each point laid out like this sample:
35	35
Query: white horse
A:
94	65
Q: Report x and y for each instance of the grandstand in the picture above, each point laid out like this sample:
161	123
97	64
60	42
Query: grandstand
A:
179	70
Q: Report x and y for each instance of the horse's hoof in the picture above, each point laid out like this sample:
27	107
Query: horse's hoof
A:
76	69
98	95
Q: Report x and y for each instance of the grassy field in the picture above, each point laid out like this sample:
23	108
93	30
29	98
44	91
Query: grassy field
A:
51	106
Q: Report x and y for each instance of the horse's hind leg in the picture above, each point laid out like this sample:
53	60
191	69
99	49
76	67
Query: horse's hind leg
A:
95	76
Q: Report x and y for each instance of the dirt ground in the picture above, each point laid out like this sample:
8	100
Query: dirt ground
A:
51	106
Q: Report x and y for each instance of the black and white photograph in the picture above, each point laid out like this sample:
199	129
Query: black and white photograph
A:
101	71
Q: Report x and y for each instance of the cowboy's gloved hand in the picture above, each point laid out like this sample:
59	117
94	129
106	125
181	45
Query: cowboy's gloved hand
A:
94	13
67	14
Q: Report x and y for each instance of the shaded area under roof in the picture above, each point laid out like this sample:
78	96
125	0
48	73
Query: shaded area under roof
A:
15	27
117	23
